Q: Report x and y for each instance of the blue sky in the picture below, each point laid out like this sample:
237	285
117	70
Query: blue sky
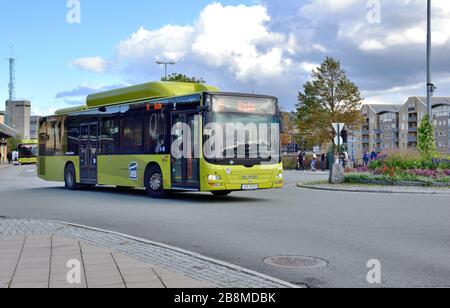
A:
269	46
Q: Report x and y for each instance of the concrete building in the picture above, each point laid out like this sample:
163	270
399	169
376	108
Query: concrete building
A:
19	113
34	127
5	133
390	127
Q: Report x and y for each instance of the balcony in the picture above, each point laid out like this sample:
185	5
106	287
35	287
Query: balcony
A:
412	119
412	129
412	139
365	131
378	131
365	140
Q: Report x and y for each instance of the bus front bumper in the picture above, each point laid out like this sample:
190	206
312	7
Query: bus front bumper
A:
240	178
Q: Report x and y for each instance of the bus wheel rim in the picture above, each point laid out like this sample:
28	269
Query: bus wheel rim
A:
69	178
155	182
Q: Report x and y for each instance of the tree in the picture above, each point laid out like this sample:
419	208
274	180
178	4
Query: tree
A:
13	143
330	97
427	143
183	78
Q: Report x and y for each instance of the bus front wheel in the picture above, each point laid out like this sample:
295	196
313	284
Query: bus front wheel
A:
221	193
154	183
70	177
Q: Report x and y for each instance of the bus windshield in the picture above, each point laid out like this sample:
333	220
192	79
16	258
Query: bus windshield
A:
256	129
27	150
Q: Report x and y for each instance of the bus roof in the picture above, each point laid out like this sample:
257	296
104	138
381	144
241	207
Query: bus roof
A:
23	142
152	90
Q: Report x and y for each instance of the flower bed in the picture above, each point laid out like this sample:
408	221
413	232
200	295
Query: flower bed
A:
403	168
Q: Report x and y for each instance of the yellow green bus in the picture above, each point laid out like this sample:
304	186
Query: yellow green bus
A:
27	150
125	138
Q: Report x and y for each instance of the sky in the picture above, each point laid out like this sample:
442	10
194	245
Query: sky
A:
262	46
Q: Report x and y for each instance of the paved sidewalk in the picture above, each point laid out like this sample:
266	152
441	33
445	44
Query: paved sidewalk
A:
42	262
34	254
377	189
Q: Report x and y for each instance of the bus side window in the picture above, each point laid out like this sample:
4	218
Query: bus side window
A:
109	137
156	134
73	137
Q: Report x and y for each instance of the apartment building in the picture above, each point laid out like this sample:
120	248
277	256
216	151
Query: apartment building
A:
389	127
380	128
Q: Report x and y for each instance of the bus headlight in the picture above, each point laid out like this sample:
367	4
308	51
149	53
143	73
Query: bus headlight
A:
214	178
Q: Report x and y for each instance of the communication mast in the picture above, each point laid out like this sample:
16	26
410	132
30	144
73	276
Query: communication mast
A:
12	78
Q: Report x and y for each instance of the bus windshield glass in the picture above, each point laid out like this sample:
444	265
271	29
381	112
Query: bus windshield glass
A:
27	150
249	130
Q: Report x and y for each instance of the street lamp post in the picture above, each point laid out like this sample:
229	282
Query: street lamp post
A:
430	86
165	63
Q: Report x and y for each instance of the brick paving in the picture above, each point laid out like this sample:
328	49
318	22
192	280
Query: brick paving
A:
34	254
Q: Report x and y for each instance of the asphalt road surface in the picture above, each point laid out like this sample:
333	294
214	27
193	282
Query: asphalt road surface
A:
408	234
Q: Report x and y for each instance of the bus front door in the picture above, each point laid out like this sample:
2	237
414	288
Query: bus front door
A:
88	153
186	170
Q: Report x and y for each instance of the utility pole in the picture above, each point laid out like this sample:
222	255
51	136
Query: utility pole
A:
430	86
165	63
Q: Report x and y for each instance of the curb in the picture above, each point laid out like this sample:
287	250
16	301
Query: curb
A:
186	252
350	190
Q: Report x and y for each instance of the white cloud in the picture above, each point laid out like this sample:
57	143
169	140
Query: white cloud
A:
170	42
370	45
234	39
90	64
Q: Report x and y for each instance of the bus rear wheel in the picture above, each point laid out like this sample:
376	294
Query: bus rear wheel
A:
70	178
222	193
154	183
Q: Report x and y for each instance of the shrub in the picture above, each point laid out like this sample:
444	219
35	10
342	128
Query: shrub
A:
290	163
426	142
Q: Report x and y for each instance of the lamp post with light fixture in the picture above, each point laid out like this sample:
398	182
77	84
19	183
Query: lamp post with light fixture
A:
165	63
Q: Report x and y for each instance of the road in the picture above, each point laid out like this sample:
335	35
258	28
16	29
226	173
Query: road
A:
408	234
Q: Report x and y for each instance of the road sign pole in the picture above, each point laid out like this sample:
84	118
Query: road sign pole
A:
339	143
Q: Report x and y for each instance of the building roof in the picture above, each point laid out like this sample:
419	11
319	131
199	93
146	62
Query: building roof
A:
435	100
7	131
379	108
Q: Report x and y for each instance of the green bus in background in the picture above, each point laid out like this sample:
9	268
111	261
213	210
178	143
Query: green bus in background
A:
27	152
124	138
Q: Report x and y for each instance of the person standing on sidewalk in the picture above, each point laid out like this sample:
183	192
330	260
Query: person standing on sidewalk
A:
9	157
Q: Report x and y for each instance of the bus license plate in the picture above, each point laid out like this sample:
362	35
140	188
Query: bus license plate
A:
250	187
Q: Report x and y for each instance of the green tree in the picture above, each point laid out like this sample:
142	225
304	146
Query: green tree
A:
13	143
330	97
426	142
183	78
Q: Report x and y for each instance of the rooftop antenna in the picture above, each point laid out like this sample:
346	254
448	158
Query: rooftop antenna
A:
12	78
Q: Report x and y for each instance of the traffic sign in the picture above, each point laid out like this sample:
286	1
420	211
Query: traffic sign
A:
338	140
338	127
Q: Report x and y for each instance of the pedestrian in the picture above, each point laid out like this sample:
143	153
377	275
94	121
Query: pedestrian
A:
301	161
9	157
373	155
323	162
366	158
314	163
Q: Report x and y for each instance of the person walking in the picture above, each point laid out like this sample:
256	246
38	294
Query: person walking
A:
366	158
9	157
323	162
373	155
314	163
301	161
